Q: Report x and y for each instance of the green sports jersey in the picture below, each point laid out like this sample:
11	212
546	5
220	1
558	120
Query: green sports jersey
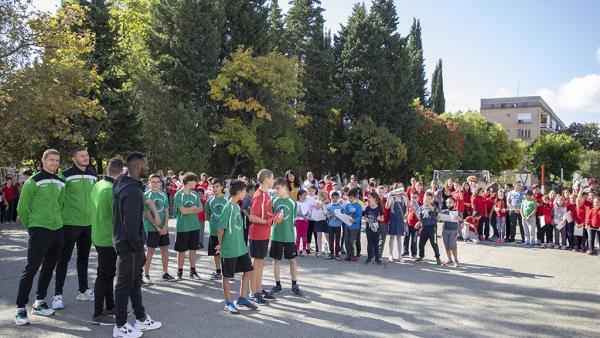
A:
232	244
214	209
102	213
528	207
41	201
77	208
160	201
187	223
284	231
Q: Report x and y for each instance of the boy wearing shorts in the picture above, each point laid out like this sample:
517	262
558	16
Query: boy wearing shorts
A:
283	239
214	208
232	249
188	205
450	232
158	232
261	219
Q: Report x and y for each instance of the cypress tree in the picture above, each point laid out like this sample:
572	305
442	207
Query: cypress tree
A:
417	63
437	101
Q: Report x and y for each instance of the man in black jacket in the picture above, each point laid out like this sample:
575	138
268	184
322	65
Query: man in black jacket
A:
128	241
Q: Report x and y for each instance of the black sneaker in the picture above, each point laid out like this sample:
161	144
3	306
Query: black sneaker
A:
420	259
194	275
296	290
179	275
438	261
168	278
103	320
258	299
378	262
275	290
338	258
267	295
330	256
368	261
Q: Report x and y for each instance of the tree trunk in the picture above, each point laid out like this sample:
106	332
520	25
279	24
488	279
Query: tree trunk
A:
234	167
99	168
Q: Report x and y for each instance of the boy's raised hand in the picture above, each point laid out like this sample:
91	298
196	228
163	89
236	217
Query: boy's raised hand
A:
278	218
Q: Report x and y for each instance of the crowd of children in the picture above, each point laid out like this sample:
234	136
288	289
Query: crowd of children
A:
280	217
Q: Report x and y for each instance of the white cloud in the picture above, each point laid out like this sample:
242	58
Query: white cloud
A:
598	54
580	94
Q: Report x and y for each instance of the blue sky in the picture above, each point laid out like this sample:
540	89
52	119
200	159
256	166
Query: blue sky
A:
491	48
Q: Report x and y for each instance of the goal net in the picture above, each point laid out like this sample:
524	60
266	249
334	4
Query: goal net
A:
461	175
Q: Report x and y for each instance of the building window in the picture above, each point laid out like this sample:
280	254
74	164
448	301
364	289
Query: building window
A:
524	134
544	119
524	118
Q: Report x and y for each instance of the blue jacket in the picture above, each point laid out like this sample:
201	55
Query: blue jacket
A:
334	221
354	210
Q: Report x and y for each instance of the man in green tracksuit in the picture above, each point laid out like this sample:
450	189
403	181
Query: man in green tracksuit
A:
77	220
39	208
102	233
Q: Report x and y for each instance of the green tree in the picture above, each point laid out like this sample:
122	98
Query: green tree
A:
437	102
260	123
588	134
16	35
486	144
276	28
417	63
247	24
554	151
589	163
47	99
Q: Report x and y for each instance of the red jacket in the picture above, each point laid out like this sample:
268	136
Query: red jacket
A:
579	214
546	211
411	217
595	218
472	223
588	213
479	205
459	196
386	212
501	205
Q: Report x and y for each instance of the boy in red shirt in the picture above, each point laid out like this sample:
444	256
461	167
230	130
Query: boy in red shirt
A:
479	206
469	228
261	219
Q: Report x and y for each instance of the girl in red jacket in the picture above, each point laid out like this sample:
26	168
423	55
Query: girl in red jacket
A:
479	205
545	211
593	224
579	220
500	209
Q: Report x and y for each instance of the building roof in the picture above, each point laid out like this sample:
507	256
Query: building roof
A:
521	101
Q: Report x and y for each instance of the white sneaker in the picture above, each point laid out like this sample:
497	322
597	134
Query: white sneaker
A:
57	302
391	259
87	296
147	325
41	308
21	318
126	331
146	280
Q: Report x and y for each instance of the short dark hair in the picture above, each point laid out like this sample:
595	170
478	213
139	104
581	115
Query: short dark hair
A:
281	182
76	149
335	193
200	190
250	187
217	180
114	166
313	187
236	186
301	192
134	156
189	177
353	193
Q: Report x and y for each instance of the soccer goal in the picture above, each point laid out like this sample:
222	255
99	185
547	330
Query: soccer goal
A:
441	176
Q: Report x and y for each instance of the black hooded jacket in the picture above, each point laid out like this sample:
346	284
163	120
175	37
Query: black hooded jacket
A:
128	209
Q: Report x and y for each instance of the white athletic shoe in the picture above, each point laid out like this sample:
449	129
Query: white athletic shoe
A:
146	280
21	318
41	308
87	296
126	331
57	302
147	325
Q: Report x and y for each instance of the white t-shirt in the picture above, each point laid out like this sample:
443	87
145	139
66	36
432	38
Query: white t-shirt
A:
303	210
318	211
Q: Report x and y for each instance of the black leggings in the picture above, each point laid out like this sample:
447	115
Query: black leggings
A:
310	233
428	233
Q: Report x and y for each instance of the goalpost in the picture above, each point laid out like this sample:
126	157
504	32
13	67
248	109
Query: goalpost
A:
441	176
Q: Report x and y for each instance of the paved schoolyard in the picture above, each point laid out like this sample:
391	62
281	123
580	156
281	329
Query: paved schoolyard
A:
499	291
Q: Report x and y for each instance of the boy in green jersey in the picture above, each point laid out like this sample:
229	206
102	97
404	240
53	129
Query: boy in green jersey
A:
158	232
214	208
528	212
188	205
283	236
232	248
